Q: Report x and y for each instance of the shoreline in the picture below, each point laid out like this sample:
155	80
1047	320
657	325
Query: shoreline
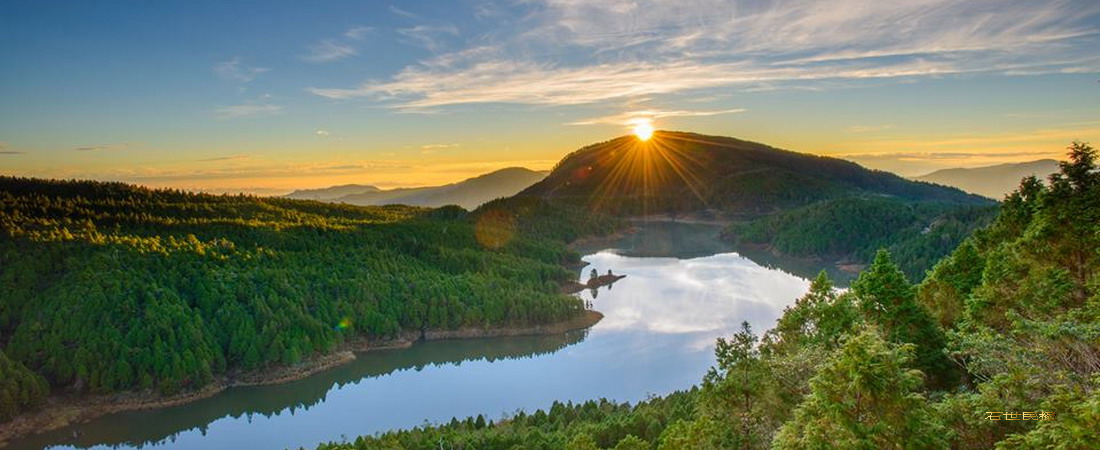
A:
63	410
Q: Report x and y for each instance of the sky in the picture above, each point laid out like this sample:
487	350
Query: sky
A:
270	96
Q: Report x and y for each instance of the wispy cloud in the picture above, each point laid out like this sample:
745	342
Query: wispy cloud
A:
91	148
322	133
358	33
569	52
403	13
651	114
327	51
4	150
437	146
224	158
869	128
235	70
940	156
246	110
431	37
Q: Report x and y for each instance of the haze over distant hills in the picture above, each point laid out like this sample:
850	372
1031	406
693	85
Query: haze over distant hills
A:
469	193
331	193
991	181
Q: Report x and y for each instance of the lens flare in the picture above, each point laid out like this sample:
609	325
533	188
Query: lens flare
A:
643	129
344	324
494	229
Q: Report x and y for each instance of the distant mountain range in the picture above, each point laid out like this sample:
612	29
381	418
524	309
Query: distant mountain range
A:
991	181
469	193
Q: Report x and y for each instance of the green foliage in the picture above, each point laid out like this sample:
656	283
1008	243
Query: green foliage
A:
20	389
1075	424
819	319
113	287
854	228
582	426
865	397
953	279
886	299
740	394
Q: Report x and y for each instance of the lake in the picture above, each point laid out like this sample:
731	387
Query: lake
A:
683	289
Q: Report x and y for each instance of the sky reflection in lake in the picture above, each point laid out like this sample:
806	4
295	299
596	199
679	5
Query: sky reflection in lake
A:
657	337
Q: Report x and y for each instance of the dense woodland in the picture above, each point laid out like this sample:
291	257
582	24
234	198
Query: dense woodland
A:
917	234
1007	323
111	287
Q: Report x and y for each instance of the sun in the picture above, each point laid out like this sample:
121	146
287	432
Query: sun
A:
643	129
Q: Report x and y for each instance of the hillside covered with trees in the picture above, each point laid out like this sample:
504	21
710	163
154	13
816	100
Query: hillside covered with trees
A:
110	287
852	229
794	203
999	347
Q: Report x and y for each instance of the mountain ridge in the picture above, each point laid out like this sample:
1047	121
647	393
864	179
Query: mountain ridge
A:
678	172
994	181
469	193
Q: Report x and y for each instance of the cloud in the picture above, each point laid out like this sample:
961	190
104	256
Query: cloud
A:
246	110
235	70
869	128
545	84
939	156
224	158
437	146
403	13
358	33
90	148
431	37
322	133
328	51
570	52
633	116
10	152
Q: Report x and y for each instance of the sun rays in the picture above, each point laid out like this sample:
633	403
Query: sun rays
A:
657	171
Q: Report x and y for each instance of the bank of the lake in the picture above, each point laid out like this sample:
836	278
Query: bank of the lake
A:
657	338
62	410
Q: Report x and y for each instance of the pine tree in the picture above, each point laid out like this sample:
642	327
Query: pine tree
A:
887	300
866	397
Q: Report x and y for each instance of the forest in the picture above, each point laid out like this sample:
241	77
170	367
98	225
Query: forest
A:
111	287
997	347
852	229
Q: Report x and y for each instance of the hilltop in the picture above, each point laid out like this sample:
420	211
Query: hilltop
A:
677	172
991	181
469	193
787	202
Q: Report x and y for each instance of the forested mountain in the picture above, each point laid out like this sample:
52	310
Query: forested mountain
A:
112	287
992	181
851	229
998	348
469	193
794	203
677	172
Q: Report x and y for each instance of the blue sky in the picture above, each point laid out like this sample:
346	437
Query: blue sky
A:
274	95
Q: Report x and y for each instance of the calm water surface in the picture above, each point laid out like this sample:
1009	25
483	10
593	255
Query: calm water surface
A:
657	337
